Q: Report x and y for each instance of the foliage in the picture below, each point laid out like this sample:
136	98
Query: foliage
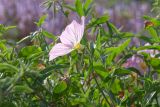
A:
95	77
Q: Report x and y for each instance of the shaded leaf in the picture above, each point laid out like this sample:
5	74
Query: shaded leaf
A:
22	89
8	67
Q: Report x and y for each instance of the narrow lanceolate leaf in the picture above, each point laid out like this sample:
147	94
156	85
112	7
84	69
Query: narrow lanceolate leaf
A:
153	33
79	7
102	19
69	7
112	28
100	70
87	4
147	39
98	41
41	20
8	67
114	51
122	71
156	47
49	35
123	46
50	70
98	21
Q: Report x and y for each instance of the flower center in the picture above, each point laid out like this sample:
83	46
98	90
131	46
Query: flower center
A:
77	46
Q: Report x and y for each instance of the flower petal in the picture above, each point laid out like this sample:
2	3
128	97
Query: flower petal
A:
73	33
59	50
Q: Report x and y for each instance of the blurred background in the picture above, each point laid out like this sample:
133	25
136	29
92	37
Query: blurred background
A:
23	13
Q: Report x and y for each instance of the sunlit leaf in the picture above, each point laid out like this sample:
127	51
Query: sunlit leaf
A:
101	20
60	87
41	20
79	7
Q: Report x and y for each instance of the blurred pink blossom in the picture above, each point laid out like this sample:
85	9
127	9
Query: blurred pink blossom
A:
136	62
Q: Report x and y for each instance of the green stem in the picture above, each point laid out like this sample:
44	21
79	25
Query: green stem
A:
102	92
157	100
91	62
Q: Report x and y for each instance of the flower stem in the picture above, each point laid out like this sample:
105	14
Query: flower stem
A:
102	92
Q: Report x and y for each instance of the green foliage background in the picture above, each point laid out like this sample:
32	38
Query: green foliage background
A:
94	77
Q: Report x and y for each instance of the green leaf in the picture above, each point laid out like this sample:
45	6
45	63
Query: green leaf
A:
55	67
115	87
50	69
8	67
112	29
98	21
114	51
35	56
110	49
155	62
110	58
4	29
153	33
79	7
7	104
98	41
22	89
6	82
3	45
70	7
123	46
100	70
10	27
77	101
49	35
87	4
147	39
155	47
29	50
126	35
59	88
122	72
41	20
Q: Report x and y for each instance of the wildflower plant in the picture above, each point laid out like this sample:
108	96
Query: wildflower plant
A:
109	71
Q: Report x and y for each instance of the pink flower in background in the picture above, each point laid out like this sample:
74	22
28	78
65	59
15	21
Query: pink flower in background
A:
152	52
137	63
70	40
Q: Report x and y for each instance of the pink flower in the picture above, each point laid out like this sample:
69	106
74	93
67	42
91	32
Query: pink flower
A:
152	52
70	39
137	63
